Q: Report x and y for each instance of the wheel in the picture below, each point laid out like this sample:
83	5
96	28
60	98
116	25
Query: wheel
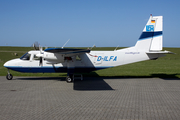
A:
68	79
9	76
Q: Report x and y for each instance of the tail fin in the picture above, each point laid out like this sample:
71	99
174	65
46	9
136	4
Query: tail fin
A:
151	37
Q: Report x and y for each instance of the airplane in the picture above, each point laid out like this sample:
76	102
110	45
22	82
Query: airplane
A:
72	61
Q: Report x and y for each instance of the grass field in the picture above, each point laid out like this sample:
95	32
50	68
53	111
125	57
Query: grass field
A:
165	67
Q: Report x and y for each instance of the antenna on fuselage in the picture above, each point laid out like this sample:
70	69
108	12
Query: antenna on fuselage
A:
116	48
46	47
93	47
65	43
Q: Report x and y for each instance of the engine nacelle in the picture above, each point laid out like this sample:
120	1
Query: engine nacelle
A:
53	57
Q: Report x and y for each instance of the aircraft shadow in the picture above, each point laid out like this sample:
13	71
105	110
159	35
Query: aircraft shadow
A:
91	83
162	76
166	76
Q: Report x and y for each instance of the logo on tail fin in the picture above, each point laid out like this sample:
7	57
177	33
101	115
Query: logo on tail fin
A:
149	28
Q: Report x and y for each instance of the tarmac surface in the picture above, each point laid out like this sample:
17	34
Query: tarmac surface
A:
42	98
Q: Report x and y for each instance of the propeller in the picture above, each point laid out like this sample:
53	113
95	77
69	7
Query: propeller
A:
40	56
36	45
41	52
40	49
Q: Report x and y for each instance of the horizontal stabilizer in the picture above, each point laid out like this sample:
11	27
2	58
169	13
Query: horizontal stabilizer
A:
160	52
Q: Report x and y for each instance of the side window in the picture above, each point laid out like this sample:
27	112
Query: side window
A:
36	58
78	58
25	57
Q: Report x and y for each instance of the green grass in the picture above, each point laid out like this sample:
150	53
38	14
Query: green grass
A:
165	67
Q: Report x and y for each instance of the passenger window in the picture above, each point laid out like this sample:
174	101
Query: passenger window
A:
36	58
78	58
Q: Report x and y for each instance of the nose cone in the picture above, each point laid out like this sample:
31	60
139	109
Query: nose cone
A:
6	64
11	63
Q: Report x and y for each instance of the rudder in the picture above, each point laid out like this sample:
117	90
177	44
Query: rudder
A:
151	37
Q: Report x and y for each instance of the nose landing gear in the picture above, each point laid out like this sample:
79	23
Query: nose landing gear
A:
9	76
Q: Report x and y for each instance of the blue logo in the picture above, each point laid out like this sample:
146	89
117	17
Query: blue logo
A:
107	58
149	28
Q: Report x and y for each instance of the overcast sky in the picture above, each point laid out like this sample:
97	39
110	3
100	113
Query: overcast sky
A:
105	23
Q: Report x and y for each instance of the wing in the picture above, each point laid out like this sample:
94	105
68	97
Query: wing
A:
67	51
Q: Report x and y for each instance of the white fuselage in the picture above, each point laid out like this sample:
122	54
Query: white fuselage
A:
85	62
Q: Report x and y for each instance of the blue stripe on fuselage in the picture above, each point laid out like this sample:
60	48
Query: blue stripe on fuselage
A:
54	69
150	34
37	69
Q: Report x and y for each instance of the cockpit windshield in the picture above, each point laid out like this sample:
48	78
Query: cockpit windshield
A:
25	56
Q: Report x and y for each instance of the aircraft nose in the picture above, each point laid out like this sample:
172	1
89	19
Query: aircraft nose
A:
11	63
6	64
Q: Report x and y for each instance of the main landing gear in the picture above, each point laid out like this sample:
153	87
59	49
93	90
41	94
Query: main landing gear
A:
71	77
9	76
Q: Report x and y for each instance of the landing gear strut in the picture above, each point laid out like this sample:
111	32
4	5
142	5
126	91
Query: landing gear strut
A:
9	76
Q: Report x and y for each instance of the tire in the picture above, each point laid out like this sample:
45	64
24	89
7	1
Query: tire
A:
68	79
9	76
